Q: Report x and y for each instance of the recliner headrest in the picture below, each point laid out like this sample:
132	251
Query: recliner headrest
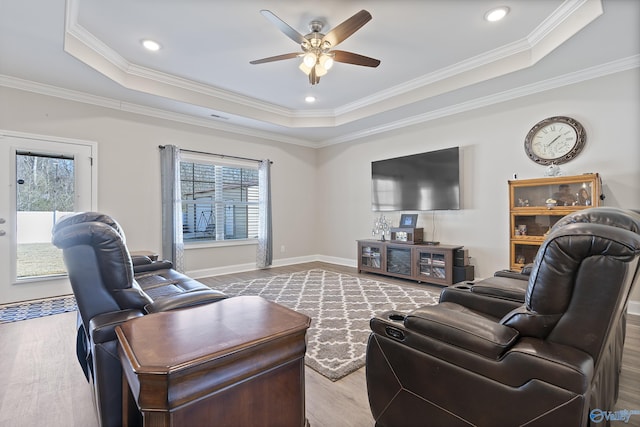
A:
80	217
614	217
112	254
102	243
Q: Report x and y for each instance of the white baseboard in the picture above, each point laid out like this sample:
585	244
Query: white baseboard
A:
338	261
218	271
239	268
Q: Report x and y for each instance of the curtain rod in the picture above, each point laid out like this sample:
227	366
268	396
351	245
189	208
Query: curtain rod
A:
219	155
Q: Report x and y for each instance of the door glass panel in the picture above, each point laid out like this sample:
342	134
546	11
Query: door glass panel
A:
44	192
370	257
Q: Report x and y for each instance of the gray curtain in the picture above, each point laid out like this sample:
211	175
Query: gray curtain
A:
172	243
265	245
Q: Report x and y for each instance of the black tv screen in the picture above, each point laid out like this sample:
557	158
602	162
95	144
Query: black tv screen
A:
420	182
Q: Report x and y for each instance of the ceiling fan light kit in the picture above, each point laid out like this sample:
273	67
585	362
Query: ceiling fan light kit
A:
326	61
317	56
309	59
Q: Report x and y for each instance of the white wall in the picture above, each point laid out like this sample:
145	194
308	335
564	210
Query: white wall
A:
492	140
321	198
129	172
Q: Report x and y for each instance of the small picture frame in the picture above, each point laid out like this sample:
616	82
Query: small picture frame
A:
408	220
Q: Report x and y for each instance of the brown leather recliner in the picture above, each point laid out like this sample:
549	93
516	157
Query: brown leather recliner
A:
541	364
109	292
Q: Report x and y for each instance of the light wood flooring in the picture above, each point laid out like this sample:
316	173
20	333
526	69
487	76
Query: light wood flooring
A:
41	382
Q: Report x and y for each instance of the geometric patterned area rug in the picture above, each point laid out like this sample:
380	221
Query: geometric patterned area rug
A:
37	308
340	306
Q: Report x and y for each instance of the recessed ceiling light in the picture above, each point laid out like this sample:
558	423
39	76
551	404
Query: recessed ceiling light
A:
310	99
496	14
151	45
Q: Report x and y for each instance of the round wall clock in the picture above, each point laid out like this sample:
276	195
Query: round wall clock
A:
555	140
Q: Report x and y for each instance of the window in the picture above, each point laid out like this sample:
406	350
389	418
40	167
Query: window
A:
219	200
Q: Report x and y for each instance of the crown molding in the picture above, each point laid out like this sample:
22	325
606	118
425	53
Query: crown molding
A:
564	22
568	19
531	89
100	101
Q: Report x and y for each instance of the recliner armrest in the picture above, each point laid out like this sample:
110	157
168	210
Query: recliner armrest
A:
523	274
140	260
142	266
102	327
464	294
187	299
505	288
471	332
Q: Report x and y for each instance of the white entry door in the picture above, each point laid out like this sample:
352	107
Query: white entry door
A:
41	179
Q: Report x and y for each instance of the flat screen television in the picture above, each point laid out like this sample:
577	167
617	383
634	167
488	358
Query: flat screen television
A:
419	182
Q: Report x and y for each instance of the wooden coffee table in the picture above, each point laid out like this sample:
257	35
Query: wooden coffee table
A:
239	361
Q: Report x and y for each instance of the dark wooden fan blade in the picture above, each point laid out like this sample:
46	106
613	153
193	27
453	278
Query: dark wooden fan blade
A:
354	58
283	26
275	58
348	27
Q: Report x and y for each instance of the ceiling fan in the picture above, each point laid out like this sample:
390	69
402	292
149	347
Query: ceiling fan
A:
317	54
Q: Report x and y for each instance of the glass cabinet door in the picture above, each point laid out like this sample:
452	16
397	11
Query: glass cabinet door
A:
425	264
432	265
562	193
523	254
438	266
371	257
532	226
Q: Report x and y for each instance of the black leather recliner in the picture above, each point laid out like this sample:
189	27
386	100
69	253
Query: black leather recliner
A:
505	291
547	362
108	292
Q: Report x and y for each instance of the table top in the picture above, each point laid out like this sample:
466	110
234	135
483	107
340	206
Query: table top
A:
407	244
174	340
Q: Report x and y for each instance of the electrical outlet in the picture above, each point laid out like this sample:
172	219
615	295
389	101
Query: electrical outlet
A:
282	248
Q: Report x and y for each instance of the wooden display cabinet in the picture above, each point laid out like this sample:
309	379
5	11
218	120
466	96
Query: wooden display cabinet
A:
420	262
535	205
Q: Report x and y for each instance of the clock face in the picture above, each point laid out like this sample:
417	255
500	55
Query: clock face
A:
555	140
